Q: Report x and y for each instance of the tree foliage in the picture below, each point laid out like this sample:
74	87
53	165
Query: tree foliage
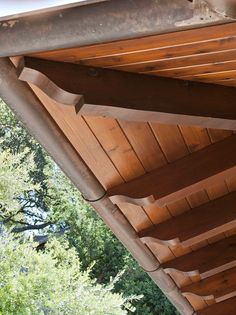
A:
50	282
14	178
54	207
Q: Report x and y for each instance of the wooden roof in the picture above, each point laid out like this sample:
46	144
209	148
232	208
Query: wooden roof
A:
193	235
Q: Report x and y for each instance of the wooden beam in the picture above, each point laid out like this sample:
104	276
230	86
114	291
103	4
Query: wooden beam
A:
181	178
218	287
132	96
226	307
195	225
206	261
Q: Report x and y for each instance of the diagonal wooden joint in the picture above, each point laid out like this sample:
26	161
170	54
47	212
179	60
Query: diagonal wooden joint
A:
207	261
220	287
133	96
177	180
196	225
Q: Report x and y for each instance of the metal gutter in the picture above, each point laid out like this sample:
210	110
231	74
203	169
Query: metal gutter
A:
21	99
103	22
226	8
14	9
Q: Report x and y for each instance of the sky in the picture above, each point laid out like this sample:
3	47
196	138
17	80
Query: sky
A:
12	7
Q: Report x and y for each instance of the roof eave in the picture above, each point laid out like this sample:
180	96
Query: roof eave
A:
102	22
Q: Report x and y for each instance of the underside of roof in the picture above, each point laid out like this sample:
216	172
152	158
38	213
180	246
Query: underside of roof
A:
141	116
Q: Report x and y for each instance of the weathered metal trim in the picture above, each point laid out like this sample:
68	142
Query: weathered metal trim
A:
224	8
101	22
46	9
21	99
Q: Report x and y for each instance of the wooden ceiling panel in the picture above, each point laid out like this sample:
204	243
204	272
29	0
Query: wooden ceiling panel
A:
202	54
224	32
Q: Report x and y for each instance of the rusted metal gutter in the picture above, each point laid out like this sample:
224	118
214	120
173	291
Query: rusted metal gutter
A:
102	22
15	9
225	8
20	98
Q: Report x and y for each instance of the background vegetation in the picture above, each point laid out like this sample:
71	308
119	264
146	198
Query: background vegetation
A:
38	201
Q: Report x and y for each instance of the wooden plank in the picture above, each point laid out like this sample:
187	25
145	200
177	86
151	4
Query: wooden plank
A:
197	138
195	225
170	140
83	140
125	160
150	155
144	144
136	216
141	98
194	48
115	144
197	302
208	77
197	171
195	200
219	189
141	44
226	307
198	69
178	207
218	287
163	253
157	214
218	135
227	82
172	63
173	147
206	261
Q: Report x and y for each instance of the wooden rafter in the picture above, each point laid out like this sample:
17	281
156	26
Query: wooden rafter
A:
206	261
179	179
226	307
131	96
218	287
196	225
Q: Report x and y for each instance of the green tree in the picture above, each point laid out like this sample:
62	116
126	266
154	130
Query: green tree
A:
50	282
13	177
